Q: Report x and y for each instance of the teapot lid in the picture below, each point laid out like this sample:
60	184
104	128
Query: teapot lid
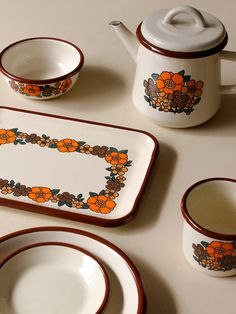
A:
183	29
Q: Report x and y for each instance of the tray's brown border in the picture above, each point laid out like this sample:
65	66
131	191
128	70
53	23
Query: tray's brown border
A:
43	81
134	271
193	223
74	247
76	216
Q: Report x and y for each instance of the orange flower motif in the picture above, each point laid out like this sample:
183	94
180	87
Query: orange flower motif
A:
116	158
40	194
67	145
219	249
32	90
193	88
7	136
65	85
169	82
101	204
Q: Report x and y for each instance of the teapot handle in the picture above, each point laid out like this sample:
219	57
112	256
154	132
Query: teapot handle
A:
197	16
230	56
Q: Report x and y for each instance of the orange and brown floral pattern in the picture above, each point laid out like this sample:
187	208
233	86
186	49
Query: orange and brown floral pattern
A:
40	194
116	158
173	92
217	255
67	145
102	202
34	90
7	136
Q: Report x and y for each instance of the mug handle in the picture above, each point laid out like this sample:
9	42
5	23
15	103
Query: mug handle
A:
230	56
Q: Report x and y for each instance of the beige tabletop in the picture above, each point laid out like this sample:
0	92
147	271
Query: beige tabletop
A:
103	93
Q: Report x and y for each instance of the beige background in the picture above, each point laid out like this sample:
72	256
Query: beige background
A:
103	93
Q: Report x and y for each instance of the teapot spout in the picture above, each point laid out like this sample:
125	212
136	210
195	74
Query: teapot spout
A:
127	38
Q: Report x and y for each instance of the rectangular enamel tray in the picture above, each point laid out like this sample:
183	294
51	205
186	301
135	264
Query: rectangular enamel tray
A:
70	168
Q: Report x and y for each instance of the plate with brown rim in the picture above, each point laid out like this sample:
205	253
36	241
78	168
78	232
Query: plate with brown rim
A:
52	277
127	294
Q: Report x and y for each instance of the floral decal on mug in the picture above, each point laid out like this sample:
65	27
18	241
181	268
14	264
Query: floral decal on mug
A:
218	256
173	92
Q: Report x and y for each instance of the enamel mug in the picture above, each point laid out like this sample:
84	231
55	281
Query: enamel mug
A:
178	55
209	229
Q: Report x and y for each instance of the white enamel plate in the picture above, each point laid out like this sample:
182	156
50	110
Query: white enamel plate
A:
52	278
127	292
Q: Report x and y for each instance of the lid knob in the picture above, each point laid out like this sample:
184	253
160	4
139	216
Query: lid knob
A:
197	16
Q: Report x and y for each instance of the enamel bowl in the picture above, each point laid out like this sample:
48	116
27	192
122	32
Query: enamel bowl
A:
41	67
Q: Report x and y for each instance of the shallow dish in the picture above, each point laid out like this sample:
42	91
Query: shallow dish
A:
60	277
127	291
41	67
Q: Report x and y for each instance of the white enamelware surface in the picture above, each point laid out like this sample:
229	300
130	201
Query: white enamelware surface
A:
209	231
153	240
40	59
206	70
124	291
51	278
192	238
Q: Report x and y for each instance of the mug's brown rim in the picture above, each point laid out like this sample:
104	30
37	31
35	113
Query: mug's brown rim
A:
42	81
193	223
180	54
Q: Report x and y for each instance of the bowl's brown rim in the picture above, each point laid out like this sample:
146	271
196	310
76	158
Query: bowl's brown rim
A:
43	81
193	223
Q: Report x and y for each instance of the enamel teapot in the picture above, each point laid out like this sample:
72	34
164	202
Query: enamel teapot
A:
178	53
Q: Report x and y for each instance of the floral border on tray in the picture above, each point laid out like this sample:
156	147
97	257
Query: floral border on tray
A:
101	202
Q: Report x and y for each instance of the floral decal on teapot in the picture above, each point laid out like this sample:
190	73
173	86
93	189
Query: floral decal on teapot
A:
218	256
173	92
